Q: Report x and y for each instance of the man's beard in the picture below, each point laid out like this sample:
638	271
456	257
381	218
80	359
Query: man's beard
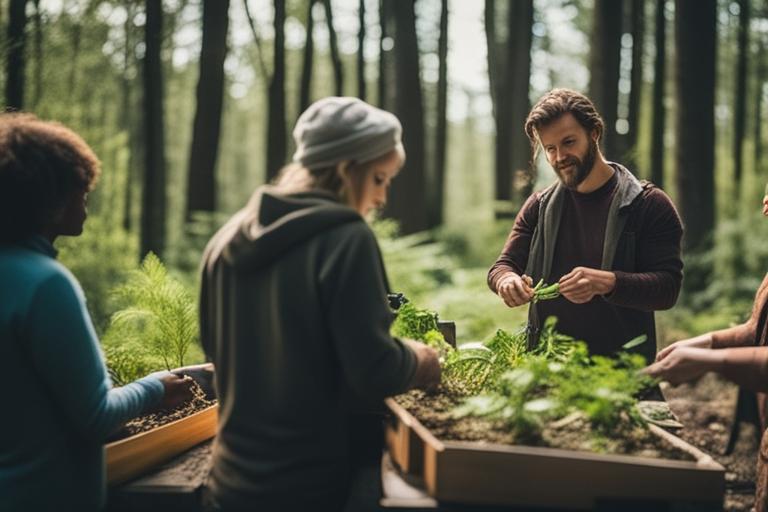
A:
582	167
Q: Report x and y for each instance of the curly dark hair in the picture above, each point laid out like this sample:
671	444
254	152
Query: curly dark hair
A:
555	104
42	163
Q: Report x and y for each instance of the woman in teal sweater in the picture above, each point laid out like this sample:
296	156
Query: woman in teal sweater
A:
59	401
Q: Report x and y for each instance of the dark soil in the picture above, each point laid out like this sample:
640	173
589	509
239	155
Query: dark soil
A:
706	409
159	418
574	432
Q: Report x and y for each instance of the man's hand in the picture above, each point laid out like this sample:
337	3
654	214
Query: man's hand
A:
703	341
427	375
177	391
581	284
685	364
515	290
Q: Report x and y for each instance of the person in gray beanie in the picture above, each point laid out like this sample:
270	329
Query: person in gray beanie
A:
294	315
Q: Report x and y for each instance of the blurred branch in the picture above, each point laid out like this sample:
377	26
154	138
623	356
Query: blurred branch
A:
257	40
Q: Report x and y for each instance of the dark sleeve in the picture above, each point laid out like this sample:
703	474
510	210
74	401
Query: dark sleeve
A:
656	283
747	367
353	291
514	255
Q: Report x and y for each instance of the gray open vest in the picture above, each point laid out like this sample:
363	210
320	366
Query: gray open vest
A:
542	250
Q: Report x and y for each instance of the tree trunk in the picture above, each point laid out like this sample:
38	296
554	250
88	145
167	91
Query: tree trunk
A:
740	98
636	83
361	86
306	67
127	118
154	193
659	79
38	77
695	40
760	79
489	20
201	184
276	129
17	24
509	75
386	83
605	58
338	74
407	197
441	131
521	26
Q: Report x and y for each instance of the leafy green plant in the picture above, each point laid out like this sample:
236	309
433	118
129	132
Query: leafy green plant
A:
159	315
545	291
548	385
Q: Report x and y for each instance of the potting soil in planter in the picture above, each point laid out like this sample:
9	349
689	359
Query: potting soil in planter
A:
436	412
159	418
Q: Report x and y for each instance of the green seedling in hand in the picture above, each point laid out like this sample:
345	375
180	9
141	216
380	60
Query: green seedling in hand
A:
545	292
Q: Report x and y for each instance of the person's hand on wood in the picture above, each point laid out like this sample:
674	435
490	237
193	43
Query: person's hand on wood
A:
177	390
515	290
427	374
702	341
685	364
582	284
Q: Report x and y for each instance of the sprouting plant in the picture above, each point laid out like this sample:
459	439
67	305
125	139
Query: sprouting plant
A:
550	384
545	291
159	314
553	344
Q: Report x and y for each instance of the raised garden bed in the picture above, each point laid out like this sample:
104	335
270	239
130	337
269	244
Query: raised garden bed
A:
485	472
155	438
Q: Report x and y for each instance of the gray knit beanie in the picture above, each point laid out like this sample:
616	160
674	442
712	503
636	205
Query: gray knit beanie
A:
336	128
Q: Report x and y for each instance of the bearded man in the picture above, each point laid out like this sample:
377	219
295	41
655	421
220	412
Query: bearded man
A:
611	241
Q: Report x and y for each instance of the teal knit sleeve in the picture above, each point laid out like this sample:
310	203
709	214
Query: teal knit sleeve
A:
64	350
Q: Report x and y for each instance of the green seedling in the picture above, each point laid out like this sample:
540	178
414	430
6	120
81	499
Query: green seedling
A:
545	291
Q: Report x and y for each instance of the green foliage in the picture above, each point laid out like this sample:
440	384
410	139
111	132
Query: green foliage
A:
545	291
559	378
99	258
158	319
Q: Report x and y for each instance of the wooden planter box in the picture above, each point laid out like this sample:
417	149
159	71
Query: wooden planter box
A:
133	456
464	472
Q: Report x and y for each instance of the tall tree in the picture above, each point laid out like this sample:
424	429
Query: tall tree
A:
154	193
385	83
761	75
201	184
521	27
276	126
604	67
407	199
15	64
38	42
636	81
361	86
338	72
659	79
740	97
695	42
309	53
509	63
441	131
127	115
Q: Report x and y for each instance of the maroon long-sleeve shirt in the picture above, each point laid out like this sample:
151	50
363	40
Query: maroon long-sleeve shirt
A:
647	265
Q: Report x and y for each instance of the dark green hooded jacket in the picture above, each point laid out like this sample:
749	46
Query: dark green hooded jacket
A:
295	318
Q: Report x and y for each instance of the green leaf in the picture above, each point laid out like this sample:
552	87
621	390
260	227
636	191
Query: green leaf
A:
635	342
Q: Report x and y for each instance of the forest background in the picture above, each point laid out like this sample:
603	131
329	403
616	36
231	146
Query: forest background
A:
190	103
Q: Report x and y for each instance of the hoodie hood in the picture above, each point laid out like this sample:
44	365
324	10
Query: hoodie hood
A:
272	224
